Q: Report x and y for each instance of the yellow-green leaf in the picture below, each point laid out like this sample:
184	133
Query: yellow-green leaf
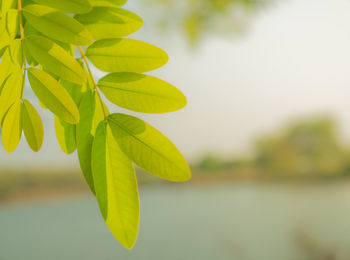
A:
10	61
55	59
85	136
6	5
11	91
141	93
11	21
32	126
108	22
66	135
115	186
12	127
57	25
53	95
15	53
68	6
126	55
148	148
100	112
8	28
107	3
74	90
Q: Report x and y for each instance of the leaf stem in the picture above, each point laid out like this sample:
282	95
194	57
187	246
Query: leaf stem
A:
83	56
22	43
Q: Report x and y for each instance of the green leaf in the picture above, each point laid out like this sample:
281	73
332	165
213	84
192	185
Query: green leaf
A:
74	90
126	55
15	54
116	187
141	93
68	6
11	91
148	148
32	126
55	59
107	22
85	136
66	135
57	25
29	30
101	111
12	127
53	95
8	28
10	61
108	3
6	5
11	21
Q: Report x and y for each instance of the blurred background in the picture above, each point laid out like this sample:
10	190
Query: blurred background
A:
266	132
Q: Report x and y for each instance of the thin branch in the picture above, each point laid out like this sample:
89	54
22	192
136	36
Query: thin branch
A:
24	65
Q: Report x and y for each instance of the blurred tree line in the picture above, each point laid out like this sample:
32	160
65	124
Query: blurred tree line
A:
308	148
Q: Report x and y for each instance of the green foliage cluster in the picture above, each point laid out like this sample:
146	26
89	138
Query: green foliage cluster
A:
201	17
39	40
306	148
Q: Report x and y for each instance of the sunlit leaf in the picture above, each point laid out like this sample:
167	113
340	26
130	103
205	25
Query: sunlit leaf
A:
32	126
55	59
141	93
148	148
106	23
66	135
74	90
11	91
115	186
85	136
57	25
100	112
10	61
53	95
126	55
108	3
12	127
8	28
6	5
15	54
68	6
11	21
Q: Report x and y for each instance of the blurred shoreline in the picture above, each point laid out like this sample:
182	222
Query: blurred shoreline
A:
19	188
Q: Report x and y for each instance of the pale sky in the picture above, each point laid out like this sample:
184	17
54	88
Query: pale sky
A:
293	62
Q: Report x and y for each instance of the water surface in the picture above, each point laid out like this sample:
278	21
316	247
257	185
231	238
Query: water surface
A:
242	221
